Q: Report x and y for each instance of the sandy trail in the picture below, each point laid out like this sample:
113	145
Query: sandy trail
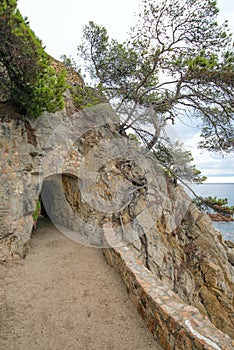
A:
64	296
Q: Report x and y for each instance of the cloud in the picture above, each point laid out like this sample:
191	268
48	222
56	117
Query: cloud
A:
211	164
220	179
226	8
59	23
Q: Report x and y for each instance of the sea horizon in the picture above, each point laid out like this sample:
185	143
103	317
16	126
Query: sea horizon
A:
219	190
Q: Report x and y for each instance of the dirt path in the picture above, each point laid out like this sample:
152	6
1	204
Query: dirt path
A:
64	296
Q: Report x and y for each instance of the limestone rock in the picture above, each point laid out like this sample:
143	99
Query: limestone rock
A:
196	262
155	218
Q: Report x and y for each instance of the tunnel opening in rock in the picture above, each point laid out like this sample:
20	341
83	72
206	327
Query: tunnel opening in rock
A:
63	206
54	207
54	204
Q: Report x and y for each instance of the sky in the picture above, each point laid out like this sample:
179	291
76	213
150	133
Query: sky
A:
59	24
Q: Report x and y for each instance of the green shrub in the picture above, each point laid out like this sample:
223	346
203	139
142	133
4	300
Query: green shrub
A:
85	97
34	85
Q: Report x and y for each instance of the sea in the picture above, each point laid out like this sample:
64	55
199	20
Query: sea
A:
220	190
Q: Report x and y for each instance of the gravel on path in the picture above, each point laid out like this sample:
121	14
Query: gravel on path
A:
64	296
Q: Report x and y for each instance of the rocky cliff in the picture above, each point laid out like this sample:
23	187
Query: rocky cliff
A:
87	174
180	246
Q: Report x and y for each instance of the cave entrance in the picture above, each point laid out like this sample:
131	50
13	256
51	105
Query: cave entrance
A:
53	198
63	207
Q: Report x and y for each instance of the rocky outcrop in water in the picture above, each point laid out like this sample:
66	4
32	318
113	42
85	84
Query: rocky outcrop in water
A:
220	217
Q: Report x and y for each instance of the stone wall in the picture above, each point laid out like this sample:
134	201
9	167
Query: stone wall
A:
173	323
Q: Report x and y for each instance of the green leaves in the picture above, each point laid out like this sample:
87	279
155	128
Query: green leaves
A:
34	85
85	97
201	62
177	62
109	63
177	162
219	205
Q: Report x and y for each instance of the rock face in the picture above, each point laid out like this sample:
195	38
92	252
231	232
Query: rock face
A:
195	262
72	76
34	153
180	246
118	183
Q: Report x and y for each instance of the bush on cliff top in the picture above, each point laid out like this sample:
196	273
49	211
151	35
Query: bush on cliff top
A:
34	85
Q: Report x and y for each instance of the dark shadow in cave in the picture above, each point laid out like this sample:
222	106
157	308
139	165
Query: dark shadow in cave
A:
43	210
47	199
54	204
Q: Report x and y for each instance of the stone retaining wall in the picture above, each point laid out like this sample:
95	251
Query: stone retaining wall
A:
172	322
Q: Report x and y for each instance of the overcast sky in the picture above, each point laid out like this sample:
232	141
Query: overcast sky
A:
59	24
